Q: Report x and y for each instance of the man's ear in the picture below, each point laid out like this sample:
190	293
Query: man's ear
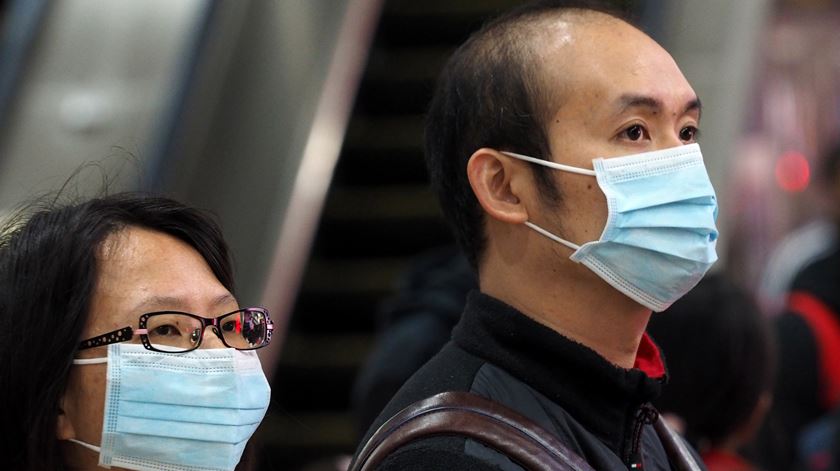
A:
64	427
498	183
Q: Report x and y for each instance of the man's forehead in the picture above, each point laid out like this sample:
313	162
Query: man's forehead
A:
559	31
562	29
613	63
593	37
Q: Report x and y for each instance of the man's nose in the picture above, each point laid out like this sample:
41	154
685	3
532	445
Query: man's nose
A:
669	140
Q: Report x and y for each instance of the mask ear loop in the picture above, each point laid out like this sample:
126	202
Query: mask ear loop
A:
551	236
90	361
549	164
556	166
86	445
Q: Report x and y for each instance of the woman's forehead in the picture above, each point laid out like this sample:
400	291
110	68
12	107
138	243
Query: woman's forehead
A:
141	270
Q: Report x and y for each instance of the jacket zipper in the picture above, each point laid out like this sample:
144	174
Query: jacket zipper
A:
646	415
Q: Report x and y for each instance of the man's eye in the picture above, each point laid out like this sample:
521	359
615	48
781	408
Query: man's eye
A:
635	132
689	133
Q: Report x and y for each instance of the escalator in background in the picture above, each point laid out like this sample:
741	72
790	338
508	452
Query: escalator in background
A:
82	82
379	214
215	100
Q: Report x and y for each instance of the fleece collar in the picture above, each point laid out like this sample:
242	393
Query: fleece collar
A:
603	397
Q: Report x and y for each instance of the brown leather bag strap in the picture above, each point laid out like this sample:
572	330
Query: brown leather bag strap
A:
678	453
465	414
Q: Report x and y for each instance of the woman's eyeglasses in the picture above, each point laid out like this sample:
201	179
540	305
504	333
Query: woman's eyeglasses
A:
177	332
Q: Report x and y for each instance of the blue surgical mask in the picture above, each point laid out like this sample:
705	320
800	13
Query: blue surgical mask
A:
660	235
191	411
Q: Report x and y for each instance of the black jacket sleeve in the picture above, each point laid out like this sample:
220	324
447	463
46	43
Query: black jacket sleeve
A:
423	455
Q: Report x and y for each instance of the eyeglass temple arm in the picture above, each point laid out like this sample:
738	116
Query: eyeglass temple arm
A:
115	336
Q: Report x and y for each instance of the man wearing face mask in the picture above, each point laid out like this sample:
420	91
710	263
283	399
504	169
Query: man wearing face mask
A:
561	141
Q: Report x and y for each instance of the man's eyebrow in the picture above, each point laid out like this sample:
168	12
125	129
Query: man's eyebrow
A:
694	105
626	102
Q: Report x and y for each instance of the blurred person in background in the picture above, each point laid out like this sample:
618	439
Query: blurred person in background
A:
805	245
808	378
107	360
720	364
413	326
557	330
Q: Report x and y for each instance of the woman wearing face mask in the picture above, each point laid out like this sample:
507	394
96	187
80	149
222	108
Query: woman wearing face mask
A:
121	343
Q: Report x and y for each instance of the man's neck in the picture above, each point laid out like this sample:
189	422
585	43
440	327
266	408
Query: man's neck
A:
584	309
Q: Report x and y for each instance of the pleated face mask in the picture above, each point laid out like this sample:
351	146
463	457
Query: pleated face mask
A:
660	235
192	411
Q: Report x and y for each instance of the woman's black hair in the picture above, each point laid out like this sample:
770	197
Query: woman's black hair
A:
48	271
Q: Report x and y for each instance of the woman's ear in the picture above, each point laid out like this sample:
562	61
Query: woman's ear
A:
498	183
64	427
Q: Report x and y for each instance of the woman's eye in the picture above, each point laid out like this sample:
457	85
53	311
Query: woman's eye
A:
165	330
635	132
689	133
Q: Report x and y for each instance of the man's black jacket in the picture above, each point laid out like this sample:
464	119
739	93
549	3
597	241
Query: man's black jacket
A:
600	411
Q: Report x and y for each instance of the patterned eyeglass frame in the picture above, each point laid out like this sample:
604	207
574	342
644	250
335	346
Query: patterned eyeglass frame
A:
127	333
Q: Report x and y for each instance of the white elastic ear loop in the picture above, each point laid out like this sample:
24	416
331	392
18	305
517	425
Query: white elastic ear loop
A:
86	445
89	361
554	165
552	236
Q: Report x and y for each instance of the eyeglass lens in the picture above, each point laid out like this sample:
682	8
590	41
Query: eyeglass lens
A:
174	332
244	329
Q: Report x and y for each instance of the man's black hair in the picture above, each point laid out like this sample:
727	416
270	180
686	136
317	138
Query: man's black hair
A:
491	93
